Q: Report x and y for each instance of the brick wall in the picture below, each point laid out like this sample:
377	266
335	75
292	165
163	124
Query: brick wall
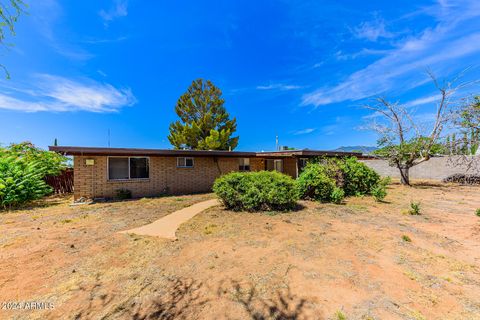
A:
433	169
92	181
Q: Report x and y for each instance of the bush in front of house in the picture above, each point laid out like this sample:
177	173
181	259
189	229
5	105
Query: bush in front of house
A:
316	183
123	194
359	179
256	191
20	181
23	168
330	180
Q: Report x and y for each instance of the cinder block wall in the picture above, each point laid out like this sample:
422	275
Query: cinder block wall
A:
165	177
433	169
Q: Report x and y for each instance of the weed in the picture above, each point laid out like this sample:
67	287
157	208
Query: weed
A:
339	315
66	221
478	212
123	194
414	208
379	192
209	229
406	238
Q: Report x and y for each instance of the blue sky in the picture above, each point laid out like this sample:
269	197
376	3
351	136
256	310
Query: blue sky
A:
296	69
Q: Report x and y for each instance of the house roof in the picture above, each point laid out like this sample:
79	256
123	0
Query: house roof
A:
308	153
75	151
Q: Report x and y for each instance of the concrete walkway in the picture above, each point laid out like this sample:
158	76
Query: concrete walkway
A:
167	226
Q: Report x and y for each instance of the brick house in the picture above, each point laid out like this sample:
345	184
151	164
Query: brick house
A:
100	172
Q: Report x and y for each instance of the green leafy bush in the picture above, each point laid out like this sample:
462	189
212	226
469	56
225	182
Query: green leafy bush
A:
379	192
323	180
256	191
315	183
337	195
359	179
21	181
22	171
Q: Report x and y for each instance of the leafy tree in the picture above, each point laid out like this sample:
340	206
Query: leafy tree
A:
204	122
10	11
469	121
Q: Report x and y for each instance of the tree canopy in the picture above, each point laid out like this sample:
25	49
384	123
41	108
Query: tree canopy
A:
204	122
403	140
10	10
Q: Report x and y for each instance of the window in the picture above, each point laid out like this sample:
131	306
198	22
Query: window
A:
183	162
138	168
244	164
302	162
124	168
271	165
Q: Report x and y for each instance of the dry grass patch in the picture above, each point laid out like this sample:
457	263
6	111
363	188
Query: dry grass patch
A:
323	261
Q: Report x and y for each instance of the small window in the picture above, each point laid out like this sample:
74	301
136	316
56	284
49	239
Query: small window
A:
183	162
272	164
302	162
279	165
124	168
244	164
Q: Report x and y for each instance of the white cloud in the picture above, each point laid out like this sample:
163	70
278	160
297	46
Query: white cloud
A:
423	100
304	131
452	39
279	86
118	10
59	94
372	30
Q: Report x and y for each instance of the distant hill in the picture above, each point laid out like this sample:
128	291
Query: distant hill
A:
363	149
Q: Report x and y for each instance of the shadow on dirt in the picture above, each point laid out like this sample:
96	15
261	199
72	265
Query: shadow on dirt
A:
183	298
180	299
282	306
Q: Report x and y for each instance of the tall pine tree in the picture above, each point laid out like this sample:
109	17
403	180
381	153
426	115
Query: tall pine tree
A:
204	122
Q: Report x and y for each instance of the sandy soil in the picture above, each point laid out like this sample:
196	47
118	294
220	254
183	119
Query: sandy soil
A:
322	261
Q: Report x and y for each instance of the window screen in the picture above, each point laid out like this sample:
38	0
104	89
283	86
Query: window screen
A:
244	164
183	162
117	168
138	168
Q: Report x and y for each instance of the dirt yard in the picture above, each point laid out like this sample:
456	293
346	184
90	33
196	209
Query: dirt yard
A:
360	260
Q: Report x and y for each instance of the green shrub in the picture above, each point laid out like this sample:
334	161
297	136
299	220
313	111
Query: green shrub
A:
123	194
406	238
323	180
21	182
337	195
359	179
379	192
315	183
477	212
414	208
256	191
23	168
